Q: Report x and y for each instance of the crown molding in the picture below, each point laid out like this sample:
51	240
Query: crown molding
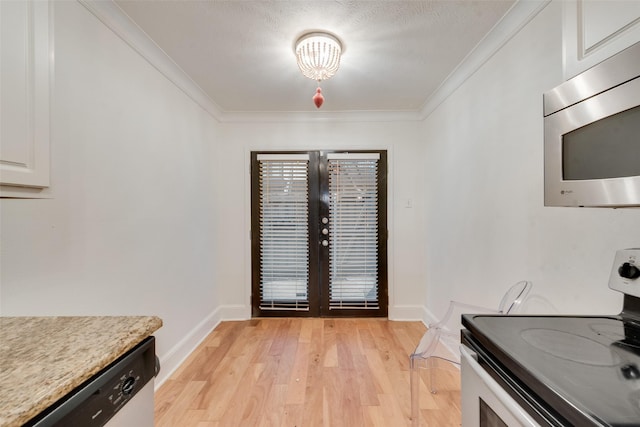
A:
321	116
518	16
119	22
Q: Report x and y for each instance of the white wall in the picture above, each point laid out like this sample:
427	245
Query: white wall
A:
406	173
149	208
486	226
129	227
149	205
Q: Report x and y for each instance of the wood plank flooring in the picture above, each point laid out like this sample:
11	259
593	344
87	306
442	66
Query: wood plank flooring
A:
302	372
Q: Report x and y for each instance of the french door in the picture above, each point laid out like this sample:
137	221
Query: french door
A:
319	233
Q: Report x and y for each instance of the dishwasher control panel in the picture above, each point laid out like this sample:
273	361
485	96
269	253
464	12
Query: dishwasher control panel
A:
93	403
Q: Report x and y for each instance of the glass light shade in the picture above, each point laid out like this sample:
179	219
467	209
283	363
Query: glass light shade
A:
318	55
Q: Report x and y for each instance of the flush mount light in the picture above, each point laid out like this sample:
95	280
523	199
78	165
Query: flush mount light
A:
318	56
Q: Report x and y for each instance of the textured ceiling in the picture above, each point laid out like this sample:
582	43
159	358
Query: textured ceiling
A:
240	53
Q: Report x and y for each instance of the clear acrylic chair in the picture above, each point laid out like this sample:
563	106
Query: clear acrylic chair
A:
442	340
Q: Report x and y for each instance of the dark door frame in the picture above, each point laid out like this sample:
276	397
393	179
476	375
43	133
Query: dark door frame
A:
318	263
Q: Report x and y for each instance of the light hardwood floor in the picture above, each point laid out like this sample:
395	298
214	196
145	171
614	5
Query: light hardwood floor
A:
304	373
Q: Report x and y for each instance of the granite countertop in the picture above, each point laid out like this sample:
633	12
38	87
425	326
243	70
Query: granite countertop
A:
44	358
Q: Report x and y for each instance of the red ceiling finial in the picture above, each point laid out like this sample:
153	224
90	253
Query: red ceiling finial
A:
318	99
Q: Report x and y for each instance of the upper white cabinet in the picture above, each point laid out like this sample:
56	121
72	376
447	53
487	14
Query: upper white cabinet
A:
594	30
25	65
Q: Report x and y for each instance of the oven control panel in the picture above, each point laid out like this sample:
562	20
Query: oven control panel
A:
625	274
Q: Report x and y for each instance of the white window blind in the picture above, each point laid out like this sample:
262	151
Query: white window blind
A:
353	249
284	232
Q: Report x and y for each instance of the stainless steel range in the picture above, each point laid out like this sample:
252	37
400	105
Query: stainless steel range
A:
556	370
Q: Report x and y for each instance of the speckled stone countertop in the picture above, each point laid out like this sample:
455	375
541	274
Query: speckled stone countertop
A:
44	358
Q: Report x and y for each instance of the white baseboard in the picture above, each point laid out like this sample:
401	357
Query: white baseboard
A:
406	312
411	313
236	312
429	318
179	353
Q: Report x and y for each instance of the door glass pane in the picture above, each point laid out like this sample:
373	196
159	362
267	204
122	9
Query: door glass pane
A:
284	233
353	231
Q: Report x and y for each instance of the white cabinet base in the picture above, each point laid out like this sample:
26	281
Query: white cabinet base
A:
594	30
26	55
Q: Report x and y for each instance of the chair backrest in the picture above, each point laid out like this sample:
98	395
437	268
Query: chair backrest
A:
512	300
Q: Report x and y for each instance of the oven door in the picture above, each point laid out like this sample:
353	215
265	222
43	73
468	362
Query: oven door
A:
484	402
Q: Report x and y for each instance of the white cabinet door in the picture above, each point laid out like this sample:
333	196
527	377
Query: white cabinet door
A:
594	30
25	64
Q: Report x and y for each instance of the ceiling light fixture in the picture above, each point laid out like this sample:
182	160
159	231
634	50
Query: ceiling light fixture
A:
318	57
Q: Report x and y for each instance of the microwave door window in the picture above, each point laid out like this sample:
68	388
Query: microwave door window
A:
607	148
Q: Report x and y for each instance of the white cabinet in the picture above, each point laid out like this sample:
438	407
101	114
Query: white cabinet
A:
25	71
594	30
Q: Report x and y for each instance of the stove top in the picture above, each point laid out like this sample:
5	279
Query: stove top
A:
585	368
580	370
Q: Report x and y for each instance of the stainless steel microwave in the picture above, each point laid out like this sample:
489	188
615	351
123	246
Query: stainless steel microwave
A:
592	136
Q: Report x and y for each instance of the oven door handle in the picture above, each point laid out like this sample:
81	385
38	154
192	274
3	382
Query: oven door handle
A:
472	359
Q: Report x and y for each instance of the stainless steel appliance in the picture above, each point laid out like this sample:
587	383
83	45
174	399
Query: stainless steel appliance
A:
556	370
121	395
592	136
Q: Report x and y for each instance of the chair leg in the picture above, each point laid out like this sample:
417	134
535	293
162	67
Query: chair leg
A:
414	377
431	366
